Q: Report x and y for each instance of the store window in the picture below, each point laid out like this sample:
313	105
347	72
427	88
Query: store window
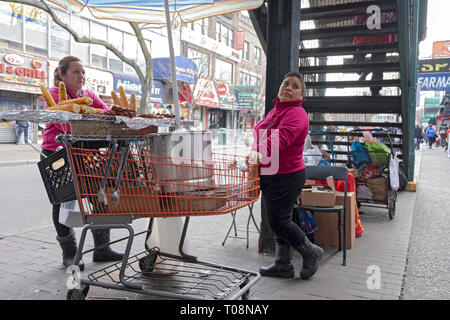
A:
224	71
141	58
59	37
81	50
200	26
36	31
11	25
99	52
257	56
130	51
202	60
116	39
246	51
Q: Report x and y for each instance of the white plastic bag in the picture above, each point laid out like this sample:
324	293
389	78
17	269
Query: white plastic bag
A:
166	234
70	217
393	172
312	156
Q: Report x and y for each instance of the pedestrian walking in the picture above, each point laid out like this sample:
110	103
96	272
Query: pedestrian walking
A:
70	70
430	133
418	136
279	141
22	128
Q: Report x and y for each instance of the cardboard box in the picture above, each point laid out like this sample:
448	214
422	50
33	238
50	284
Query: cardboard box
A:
314	197
327	234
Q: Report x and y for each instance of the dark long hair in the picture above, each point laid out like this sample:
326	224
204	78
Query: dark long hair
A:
63	66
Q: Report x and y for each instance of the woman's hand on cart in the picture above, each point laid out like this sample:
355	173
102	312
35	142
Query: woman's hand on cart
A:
254	157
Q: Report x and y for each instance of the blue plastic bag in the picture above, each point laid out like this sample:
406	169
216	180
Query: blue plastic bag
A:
304	220
359	154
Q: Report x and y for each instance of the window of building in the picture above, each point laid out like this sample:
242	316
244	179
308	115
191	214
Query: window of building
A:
11	25
257	55
246	51
59	37
130	51
224	34
80	50
201	26
36	31
248	79
141	58
116	39
201	59
224	71
99	31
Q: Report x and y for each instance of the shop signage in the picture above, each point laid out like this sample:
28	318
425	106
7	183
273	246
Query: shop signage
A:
240	35
226	96
205	94
186	69
23	70
14	59
132	84
434	81
434	66
441	49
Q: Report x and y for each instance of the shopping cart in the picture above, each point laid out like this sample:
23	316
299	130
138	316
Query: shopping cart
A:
125	181
382	169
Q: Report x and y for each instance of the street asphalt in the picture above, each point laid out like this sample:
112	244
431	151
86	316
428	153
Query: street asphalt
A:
410	252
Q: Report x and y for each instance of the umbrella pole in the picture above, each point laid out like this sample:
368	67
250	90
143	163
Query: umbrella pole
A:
173	67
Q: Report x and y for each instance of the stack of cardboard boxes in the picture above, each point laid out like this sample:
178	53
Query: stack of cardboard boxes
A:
323	196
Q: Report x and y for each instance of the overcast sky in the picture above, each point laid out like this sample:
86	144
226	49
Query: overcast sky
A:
438	28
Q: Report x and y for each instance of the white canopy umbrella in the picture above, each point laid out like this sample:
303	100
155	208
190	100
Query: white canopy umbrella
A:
159	12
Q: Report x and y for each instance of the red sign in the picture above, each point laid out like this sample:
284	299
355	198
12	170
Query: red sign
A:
222	89
441	49
240	35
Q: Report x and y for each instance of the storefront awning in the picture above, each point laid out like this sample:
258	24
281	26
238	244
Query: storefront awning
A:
132	84
205	94
186	69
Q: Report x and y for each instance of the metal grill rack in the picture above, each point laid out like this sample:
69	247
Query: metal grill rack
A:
178	279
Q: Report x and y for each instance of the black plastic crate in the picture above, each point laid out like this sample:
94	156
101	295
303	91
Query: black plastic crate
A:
57	177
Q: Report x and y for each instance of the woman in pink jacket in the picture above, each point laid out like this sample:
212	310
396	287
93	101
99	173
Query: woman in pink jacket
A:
278	146
71	71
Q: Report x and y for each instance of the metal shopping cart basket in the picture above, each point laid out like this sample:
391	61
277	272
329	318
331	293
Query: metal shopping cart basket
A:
127	182
378	163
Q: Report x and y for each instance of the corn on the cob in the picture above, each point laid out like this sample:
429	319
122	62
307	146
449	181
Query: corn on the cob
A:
133	102
73	107
62	92
47	96
123	98
115	98
83	100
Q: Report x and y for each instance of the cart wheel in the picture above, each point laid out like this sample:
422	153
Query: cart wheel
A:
246	295
78	294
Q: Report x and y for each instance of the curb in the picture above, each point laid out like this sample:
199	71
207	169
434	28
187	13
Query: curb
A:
17	163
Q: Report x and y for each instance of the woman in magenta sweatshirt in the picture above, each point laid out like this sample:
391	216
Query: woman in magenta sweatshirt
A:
71	71
278	143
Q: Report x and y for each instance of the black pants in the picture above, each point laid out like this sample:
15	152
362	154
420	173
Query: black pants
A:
280	193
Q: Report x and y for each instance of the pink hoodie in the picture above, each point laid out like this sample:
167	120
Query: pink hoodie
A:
283	143
53	129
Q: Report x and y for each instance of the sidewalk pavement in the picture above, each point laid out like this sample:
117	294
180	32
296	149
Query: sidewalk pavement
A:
30	262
